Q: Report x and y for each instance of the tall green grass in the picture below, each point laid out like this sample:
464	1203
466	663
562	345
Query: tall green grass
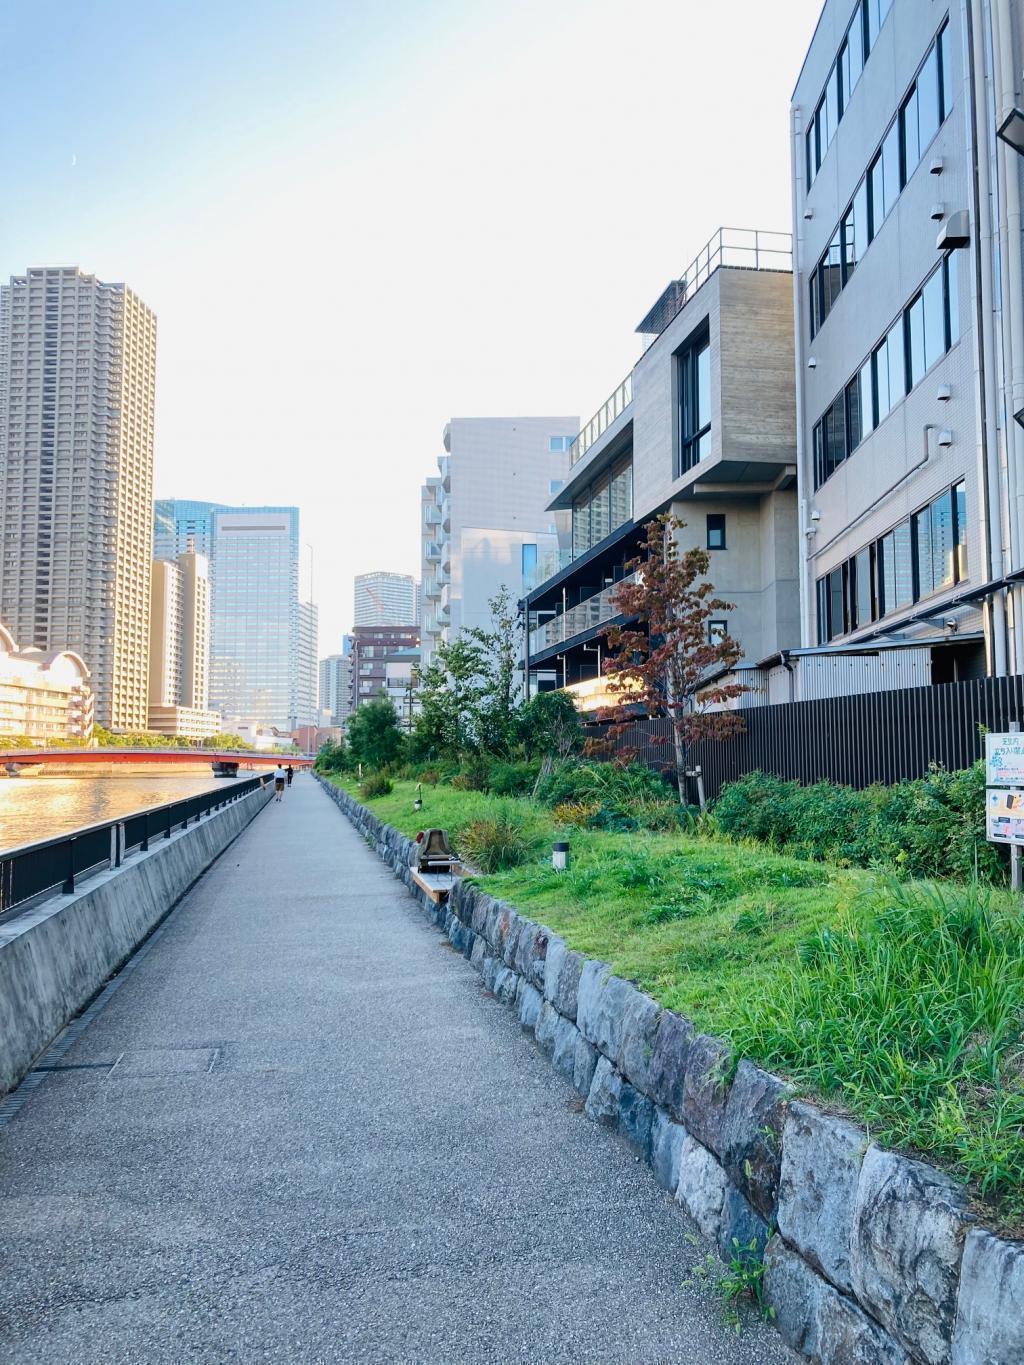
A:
910	1017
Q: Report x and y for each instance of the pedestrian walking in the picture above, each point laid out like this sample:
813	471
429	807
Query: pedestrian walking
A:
280	778
291	774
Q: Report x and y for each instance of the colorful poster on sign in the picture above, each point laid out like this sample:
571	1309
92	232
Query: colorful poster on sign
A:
1004	760
1005	816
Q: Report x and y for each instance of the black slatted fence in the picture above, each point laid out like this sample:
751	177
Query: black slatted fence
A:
874	737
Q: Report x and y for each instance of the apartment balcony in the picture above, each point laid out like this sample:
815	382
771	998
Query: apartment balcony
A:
432	515
609	411
431	588
587	615
432	552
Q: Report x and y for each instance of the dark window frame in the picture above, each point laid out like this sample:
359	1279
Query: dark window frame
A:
718	517
688	369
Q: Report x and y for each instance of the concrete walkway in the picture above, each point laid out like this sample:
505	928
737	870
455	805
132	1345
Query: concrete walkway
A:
300	1131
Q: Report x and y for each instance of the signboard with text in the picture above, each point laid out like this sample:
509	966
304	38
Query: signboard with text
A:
1004	816
1004	760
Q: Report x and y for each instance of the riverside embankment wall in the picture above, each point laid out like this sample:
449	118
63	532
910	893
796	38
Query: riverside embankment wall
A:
870	1258
54	958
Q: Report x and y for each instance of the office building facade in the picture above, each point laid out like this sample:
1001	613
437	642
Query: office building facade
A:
909	311
77	387
179	648
180	524
384	599
485	521
703	427
336	688
305	707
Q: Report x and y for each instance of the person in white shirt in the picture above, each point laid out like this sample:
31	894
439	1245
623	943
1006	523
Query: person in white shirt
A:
280	778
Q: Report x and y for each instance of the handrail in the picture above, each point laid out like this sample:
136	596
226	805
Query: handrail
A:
49	866
606	414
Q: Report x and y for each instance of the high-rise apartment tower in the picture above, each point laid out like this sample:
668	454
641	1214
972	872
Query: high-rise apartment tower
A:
385	599
77	385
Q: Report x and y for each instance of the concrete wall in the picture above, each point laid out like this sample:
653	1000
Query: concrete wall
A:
870	1258
54	959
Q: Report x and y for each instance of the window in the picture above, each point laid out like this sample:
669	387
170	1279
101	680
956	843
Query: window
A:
863	588
716	530
621	493
884	178
717	631
558	444
605	506
890	370
694	405
951	273
555	486
842	78
529	562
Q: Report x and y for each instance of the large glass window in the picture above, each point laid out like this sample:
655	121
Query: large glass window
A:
951	272
863	596
694	405
884	179
600	511
960	513
605	505
529	563
621	494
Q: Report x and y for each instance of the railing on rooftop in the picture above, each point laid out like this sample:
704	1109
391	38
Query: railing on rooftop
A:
602	419
740	248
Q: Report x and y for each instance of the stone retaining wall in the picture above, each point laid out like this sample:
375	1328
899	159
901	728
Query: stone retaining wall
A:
871	1258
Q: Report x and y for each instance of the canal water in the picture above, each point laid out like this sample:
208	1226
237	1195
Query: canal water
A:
40	807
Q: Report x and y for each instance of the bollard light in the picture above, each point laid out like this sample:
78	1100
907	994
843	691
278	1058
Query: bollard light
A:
418	803
560	856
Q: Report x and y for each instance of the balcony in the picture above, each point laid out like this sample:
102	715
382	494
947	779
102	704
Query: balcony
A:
432	515
595	611
432	552
606	414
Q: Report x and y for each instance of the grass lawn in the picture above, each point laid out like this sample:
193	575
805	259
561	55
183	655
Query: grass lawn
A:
899	1003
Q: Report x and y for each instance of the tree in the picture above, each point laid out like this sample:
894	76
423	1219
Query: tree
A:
374	736
450	694
501	652
332	758
549	728
665	660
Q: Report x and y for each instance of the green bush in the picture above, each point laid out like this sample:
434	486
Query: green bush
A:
495	842
513	779
620	798
375	784
931	827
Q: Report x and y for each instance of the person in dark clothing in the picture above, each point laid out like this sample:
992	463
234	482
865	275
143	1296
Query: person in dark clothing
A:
291	773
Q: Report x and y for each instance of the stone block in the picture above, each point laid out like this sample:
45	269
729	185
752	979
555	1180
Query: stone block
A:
752	1133
547	1024
491	968
529	1006
639	1030
602	1005
706	1091
492	926
821	1161
667	1071
636	1118
990	1310
562	971
479	953
743	1233
566	1037
511	928
482	903
506	985
909	1229
531	952
584	1062
667	1138
701	1187
604	1095
847	1336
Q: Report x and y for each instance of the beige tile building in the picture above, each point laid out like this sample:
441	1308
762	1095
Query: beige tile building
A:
179	648
77	386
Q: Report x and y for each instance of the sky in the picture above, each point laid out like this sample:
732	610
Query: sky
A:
357	220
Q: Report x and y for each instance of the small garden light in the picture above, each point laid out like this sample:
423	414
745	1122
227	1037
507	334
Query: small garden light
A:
560	856
418	803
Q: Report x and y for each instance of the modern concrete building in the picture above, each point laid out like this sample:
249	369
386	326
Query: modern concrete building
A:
304	705
179	648
336	687
44	694
910	331
77	385
485	522
384	599
384	659
703	427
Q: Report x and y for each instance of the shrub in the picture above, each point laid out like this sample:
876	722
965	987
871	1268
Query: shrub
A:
619	788
495	842
375	784
579	813
512	779
474	776
931	827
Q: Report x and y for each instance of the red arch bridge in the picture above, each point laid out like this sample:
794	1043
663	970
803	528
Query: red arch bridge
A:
225	762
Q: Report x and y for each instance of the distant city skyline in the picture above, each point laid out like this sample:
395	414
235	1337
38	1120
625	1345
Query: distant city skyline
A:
247	150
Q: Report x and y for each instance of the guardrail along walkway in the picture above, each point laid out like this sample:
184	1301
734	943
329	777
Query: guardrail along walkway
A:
300	1131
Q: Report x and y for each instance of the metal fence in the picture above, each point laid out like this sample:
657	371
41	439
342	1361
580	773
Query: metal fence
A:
50	866
874	737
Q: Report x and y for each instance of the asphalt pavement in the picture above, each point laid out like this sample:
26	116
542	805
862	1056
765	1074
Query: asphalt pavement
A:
300	1131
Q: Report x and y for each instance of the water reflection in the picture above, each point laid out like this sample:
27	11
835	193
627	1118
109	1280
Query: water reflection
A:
41	807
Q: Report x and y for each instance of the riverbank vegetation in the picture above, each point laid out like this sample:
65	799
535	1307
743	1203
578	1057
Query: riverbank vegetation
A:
898	1001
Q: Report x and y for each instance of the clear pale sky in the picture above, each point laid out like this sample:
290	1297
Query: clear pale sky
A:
356	220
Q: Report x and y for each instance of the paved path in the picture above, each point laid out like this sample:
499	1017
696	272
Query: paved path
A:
322	1142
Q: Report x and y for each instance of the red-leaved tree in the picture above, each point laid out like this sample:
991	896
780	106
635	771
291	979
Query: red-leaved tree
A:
664	661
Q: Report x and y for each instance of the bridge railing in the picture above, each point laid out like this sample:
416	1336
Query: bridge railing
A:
52	866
